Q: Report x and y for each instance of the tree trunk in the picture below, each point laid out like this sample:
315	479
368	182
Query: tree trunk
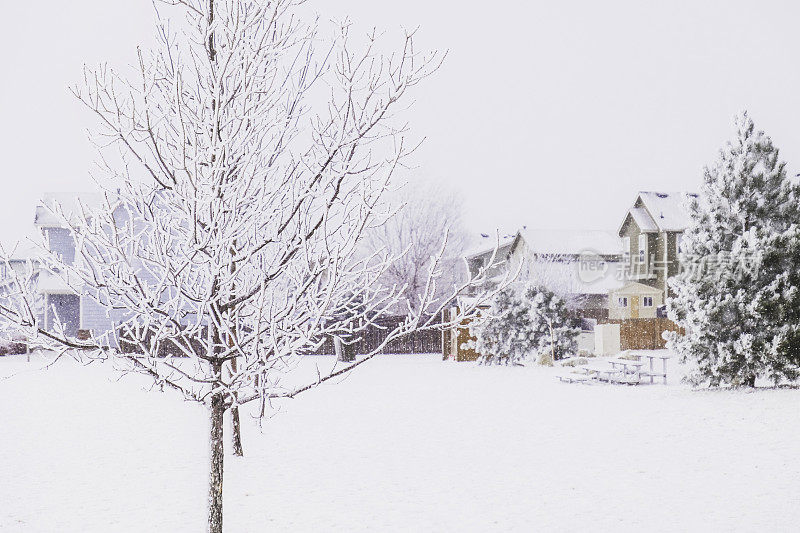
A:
236	426
238	450
217	464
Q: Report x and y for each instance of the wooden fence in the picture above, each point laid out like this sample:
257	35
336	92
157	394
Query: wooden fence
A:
453	340
643	333
417	342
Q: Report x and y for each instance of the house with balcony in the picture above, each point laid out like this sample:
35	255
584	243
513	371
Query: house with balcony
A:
650	233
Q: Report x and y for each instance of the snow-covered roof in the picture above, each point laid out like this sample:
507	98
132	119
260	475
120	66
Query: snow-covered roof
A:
488	243
661	211
587	275
644	220
70	203
29	247
571	242
52	284
669	210
611	280
25	251
634	287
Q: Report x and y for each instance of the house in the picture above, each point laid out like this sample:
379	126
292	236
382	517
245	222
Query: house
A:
650	233
492	254
635	300
582	265
62	300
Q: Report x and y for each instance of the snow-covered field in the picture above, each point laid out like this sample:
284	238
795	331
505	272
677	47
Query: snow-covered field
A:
407	443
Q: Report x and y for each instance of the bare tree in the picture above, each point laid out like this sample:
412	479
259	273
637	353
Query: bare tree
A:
557	272
415	235
245	161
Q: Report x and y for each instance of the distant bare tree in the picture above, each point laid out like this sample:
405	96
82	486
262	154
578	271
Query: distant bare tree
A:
415	235
556	272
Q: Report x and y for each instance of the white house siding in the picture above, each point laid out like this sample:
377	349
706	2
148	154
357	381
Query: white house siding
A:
93	316
60	241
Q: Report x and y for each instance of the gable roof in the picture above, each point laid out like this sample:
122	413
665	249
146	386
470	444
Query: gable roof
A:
660	211
488	245
644	220
25	250
72	205
635	287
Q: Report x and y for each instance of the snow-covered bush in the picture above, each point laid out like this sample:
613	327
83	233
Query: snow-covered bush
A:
737	294
524	323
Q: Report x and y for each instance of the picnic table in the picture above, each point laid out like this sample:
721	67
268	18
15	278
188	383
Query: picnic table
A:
621	370
605	373
629	368
651	356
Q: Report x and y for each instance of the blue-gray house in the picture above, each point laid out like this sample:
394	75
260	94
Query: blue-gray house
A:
65	300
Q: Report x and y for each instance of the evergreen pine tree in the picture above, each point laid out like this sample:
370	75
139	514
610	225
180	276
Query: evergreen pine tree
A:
738	287
524	321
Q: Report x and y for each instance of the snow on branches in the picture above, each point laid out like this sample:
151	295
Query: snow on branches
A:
737	294
244	161
526	322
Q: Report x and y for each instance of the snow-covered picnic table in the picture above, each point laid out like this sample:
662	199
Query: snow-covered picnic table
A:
626	365
602	373
626	370
652	356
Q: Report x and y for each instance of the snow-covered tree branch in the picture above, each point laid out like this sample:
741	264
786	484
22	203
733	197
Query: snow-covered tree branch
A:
244	162
737	293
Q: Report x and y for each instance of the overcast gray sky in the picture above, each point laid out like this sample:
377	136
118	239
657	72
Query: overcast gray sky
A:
546	114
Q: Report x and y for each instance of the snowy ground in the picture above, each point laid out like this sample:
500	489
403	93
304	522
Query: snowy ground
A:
406	443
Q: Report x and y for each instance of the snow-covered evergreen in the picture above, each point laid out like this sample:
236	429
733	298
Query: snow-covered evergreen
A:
524	322
737	295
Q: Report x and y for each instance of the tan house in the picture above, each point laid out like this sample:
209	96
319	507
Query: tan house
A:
651	233
634	300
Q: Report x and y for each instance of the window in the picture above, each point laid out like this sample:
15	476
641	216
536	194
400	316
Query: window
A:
642	247
623	301
647	301
626	249
678	239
